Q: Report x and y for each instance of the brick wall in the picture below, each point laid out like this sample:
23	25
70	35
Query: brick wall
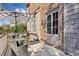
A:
43	9
60	36
40	19
33	7
43	34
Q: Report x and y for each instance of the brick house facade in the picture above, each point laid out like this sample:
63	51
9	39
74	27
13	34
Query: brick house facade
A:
37	12
55	36
40	12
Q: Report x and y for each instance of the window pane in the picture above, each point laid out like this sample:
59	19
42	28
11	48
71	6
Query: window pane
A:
53	30
56	15
53	16
56	30
49	18
49	24
55	23
49	30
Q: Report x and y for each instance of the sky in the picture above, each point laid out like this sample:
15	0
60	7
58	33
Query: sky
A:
19	7
15	6
5	21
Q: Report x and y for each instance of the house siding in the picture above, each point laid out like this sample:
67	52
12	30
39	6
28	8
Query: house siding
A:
71	28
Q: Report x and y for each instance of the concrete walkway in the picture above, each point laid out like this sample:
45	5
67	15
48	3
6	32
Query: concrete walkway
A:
17	50
36	50
8	51
3	44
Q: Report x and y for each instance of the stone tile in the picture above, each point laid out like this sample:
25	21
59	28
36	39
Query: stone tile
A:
76	21
71	8
49	51
73	16
76	10
76	6
78	16
71	28
67	5
72	12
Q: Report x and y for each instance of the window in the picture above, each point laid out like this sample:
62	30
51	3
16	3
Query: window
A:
52	23
49	24
32	25
55	23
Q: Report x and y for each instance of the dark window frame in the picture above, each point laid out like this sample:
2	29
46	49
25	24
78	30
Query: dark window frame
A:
52	23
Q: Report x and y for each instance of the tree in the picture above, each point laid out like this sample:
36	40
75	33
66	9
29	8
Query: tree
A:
1	29
20	28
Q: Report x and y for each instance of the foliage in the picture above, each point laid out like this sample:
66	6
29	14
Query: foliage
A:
1	29
20	28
